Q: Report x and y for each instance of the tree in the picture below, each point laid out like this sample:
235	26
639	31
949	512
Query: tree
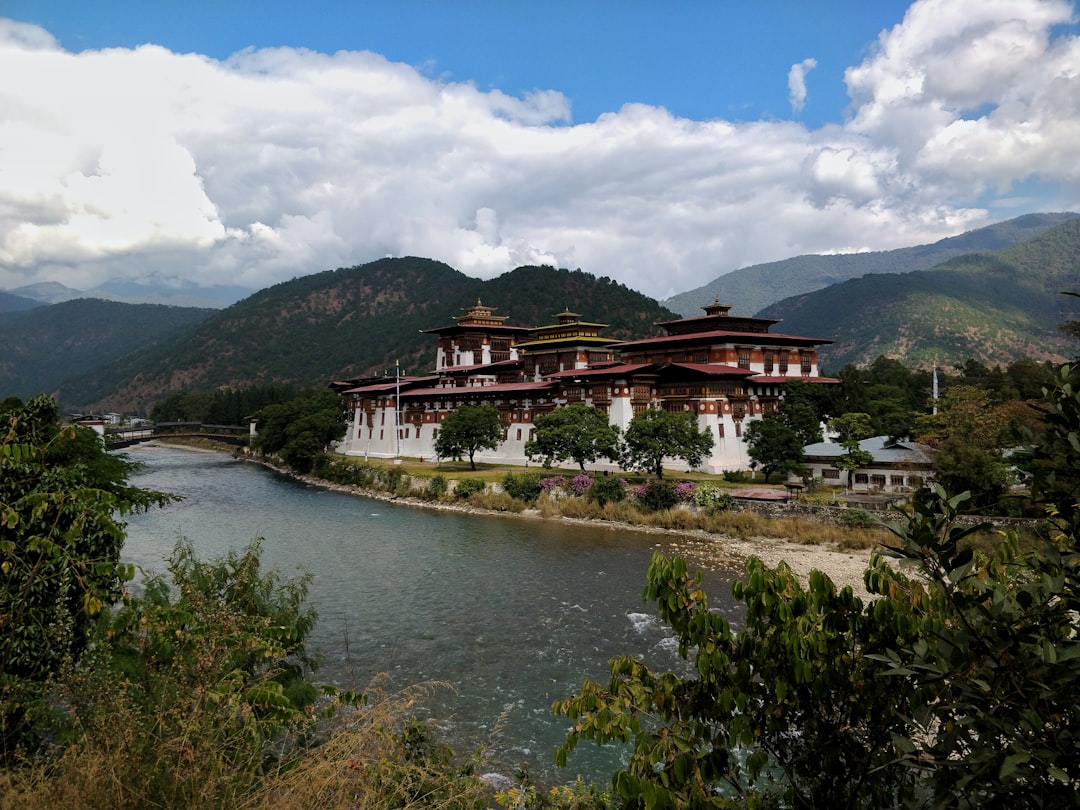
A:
62	502
853	458
300	430
966	434
577	431
787	711
774	445
467	430
852	427
655	434
801	410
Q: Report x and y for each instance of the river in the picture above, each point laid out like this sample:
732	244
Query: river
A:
512	612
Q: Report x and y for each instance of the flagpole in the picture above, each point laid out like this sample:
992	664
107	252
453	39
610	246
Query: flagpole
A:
397	406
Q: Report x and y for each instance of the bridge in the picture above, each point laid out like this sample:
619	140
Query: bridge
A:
236	435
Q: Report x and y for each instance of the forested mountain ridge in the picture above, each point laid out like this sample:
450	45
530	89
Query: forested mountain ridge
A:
750	289
993	307
353	322
43	346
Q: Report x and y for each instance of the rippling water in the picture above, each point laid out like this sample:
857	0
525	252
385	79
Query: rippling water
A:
512	612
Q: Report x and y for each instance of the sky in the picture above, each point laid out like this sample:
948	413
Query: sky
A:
658	144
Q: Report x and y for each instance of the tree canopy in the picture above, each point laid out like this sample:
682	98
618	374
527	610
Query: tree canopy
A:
576	431
301	429
773	445
655	434
468	430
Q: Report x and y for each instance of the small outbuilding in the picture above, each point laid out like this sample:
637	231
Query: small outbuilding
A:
897	466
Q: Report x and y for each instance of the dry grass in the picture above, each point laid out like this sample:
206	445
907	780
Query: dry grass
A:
374	756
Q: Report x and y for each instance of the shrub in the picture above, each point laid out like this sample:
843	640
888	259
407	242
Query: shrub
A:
735	476
496	501
607	489
580	484
685	490
553	484
437	487
659	495
714	498
468	486
858	519
524	486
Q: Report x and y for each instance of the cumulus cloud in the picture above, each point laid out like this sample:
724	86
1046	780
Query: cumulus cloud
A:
796	82
275	163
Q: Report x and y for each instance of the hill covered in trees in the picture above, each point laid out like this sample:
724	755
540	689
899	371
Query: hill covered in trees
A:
993	307
43	346
750	289
352	322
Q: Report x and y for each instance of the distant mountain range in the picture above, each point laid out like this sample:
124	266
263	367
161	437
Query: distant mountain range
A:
130	292
751	289
993	305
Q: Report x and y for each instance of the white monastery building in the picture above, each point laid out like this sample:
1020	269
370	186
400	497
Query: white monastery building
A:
727	369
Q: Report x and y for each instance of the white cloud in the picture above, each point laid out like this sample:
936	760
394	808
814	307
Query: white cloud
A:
796	81
280	162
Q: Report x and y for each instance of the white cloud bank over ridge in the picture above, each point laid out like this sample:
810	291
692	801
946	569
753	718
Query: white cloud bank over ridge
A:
282	162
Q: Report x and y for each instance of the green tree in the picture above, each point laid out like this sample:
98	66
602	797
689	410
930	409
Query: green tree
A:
299	431
577	431
468	430
852	426
62	502
654	435
787	711
801	410
853	458
774	445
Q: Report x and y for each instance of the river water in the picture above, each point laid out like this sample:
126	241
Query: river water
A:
512	612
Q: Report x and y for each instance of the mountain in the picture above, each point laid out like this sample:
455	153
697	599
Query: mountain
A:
16	303
994	307
175	294
46	345
47	292
750	289
351	322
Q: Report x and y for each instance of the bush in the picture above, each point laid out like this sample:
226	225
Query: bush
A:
735	476
607	489
659	495
858	519
468	486
437	487
496	501
524	486
714	498
580	484
685	490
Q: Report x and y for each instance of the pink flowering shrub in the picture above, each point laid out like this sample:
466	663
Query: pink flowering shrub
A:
580	484
685	490
552	484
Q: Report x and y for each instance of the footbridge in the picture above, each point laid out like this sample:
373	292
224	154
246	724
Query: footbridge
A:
238	435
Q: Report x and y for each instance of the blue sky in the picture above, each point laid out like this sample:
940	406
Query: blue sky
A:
698	59
660	144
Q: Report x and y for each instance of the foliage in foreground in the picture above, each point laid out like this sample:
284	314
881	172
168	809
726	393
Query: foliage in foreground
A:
62	502
955	688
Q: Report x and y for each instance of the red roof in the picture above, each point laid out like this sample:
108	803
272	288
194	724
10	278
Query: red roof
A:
764	378
619	370
717	334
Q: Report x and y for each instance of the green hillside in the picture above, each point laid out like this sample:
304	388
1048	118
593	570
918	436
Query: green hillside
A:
353	322
45	345
750	289
994	307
